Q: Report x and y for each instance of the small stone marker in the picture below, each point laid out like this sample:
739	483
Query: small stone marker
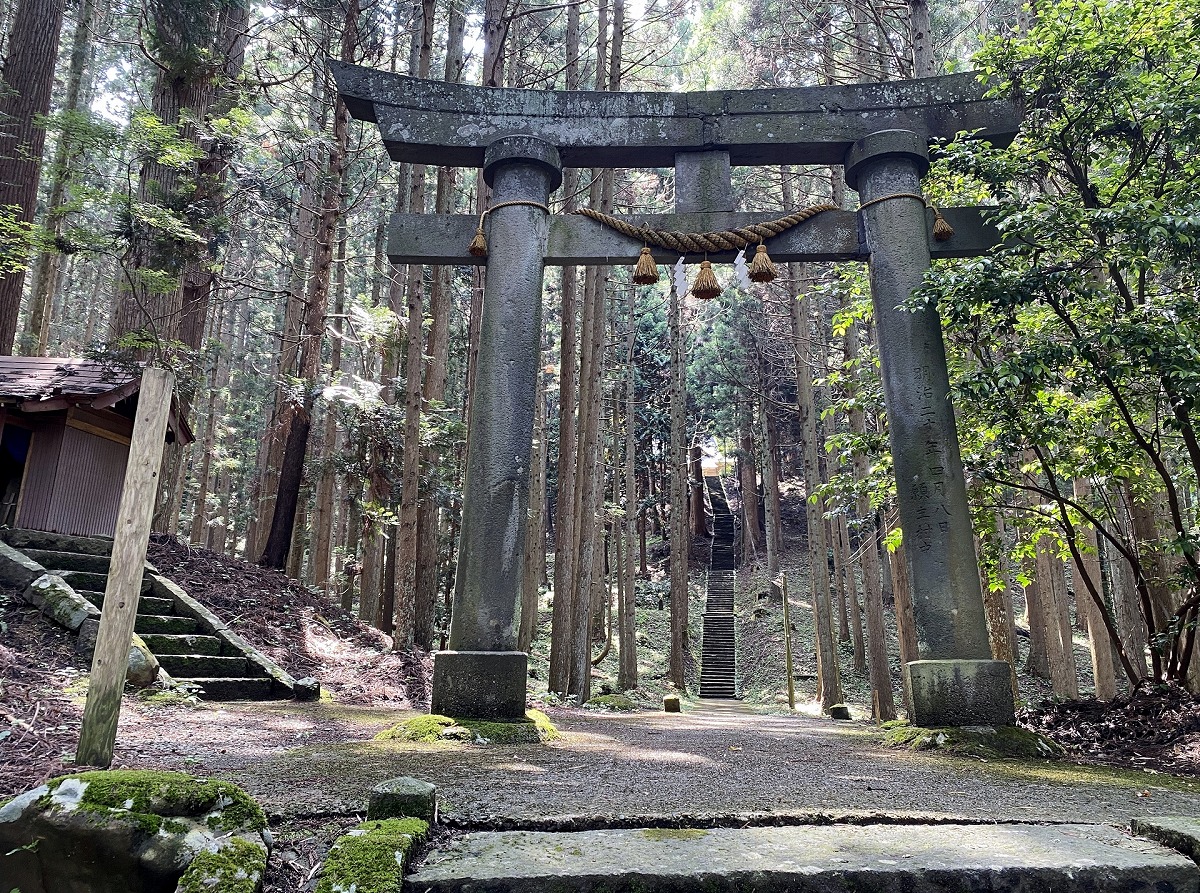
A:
403	797
838	711
307	689
671	704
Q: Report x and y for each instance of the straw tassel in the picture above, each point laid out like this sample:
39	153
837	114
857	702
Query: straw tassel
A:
762	268
942	231
646	271
706	285
479	245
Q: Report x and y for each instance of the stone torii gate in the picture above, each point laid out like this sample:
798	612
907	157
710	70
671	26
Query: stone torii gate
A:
522	139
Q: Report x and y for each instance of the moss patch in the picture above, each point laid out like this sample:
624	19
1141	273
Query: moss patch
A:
150	796
1063	772
618	702
237	867
372	858
535	728
1003	741
668	834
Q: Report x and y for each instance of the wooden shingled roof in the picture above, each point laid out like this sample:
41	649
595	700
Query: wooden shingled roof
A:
45	384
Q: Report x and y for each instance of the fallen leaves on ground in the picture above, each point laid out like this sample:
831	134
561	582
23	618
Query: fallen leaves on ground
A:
1156	727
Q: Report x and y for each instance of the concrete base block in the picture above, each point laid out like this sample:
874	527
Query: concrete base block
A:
959	693
479	684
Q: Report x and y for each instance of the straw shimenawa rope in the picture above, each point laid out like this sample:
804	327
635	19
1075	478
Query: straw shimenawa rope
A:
942	231
701	243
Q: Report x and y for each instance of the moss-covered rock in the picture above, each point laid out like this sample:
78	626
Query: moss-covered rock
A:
237	866
618	702
130	830
983	741
372	858
534	728
223	805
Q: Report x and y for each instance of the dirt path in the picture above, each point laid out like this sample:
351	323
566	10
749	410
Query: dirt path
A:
719	760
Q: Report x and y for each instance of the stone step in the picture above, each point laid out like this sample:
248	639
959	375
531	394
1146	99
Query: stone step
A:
162	644
189	666
57	542
813	859
69	561
94	582
246	688
156	623
147	604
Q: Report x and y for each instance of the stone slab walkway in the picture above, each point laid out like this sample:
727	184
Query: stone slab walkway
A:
948	858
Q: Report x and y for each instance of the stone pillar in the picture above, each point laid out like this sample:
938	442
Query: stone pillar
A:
955	682
482	674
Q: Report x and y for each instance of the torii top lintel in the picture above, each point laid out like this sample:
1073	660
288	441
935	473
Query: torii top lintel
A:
432	122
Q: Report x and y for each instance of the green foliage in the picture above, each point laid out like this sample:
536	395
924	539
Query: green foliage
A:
1075	347
17	239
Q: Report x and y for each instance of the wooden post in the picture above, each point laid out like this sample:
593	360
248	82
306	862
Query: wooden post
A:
787	642
99	731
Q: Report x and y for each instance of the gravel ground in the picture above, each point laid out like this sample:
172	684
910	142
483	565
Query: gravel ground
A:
720	760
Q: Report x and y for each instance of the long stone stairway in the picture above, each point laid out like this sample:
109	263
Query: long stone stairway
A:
718	654
189	642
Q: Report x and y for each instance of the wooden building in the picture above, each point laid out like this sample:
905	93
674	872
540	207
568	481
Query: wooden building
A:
65	426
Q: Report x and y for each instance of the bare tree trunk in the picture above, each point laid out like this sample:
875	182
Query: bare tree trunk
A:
1058	647
47	270
564	509
564	504
833	539
428	513
770	488
296	446
28	76
627	676
881	679
921	38
905	625
323	510
696	511
1103	669
1037	661
678	518
998	613
752	538
853	603
587	469
271	451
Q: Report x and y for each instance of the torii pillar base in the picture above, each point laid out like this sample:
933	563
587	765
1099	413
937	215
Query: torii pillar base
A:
959	693
480	684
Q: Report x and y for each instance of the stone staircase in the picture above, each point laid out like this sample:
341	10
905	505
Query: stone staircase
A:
718	653
190	643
